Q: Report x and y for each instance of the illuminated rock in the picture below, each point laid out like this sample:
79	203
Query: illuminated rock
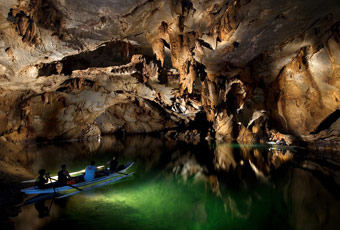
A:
250	66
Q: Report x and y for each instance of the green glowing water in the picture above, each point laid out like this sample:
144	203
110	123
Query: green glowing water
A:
166	203
174	189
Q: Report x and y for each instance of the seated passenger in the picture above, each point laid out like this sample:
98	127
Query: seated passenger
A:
42	179
63	175
113	163
90	171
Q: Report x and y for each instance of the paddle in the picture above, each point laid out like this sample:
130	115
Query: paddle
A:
49	209
48	175
70	185
122	173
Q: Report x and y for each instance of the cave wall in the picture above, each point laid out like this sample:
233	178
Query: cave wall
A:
257	69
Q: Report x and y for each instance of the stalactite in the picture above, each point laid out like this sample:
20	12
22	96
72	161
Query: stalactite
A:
158	49
163	31
79	82
229	22
182	47
22	24
45	98
23	19
26	112
59	67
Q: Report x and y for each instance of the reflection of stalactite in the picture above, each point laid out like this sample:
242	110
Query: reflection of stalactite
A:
215	185
280	157
224	157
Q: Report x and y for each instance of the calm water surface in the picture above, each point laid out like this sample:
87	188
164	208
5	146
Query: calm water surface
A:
185	186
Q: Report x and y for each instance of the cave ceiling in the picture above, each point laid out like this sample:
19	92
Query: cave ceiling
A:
255	69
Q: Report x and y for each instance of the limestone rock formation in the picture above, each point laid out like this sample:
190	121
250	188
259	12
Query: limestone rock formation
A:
73	69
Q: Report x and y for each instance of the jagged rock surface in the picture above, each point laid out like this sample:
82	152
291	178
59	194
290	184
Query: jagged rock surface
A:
69	69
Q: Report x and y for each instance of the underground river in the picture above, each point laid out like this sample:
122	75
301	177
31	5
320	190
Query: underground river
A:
180	185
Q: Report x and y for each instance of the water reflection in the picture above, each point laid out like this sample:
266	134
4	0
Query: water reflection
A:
42	209
220	184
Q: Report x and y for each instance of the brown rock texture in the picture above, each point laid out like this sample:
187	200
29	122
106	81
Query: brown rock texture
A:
74	69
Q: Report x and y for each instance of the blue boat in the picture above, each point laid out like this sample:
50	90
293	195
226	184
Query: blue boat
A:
85	185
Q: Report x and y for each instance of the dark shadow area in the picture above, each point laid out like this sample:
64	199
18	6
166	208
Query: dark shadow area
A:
110	54
251	181
326	124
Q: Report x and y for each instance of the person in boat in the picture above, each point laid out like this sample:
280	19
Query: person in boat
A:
63	175
113	164
42	179
90	171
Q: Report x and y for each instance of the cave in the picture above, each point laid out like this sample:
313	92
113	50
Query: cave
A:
216	114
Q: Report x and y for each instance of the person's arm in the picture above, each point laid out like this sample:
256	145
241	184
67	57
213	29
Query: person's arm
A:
47	175
66	173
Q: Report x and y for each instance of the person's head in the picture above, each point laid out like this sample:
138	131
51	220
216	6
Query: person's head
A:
93	163
42	172
113	158
63	166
